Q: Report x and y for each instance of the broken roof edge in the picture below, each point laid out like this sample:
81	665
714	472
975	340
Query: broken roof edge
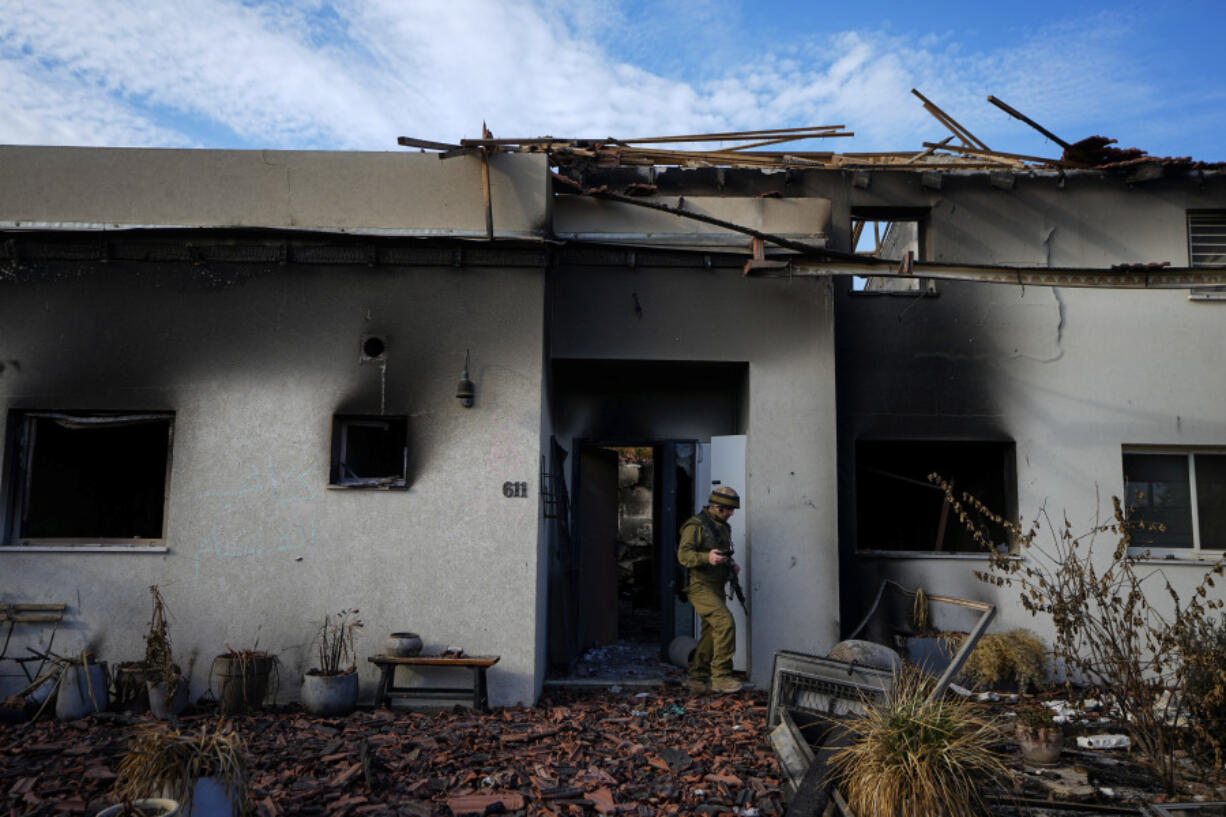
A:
537	236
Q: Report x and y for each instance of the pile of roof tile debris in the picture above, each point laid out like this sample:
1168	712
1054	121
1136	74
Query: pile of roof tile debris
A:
577	752
746	149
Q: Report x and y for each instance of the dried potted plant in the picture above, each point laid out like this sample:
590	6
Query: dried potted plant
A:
331	688
203	770
166	687
243	679
911	754
1041	739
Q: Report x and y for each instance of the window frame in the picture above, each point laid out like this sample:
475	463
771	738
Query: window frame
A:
21	447
340	437
1194	551
1212	218
863	216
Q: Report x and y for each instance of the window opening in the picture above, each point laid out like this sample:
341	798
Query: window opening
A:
899	509
1184	491
370	452
895	239
91	478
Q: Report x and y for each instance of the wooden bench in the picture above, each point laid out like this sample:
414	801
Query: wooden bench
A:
387	690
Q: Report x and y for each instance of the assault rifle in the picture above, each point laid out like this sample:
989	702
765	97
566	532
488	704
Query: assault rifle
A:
734	581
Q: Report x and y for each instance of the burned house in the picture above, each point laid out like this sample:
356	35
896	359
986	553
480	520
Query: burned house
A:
234	374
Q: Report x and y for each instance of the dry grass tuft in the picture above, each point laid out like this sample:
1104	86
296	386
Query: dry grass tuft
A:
163	759
913	756
1018	656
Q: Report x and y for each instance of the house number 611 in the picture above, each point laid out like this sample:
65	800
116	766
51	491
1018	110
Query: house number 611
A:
515	490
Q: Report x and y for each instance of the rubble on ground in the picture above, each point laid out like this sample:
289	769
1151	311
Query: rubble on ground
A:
632	752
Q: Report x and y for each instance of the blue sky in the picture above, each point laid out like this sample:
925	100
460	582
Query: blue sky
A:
355	74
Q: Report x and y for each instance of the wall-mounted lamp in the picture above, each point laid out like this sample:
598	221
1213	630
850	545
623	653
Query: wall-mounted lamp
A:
464	390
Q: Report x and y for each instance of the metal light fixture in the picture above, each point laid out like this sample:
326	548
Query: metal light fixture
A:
464	390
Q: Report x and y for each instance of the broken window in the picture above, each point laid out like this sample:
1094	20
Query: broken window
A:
1183	491
370	451
89	478
1207	248
890	235
899	509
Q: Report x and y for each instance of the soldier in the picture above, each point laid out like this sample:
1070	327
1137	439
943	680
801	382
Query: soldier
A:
703	536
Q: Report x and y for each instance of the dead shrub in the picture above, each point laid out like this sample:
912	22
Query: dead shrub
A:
1108	633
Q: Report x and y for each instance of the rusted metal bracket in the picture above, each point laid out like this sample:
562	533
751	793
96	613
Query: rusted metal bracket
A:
759	261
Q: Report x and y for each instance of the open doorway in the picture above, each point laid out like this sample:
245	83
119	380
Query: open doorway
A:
629	439
632	500
638	550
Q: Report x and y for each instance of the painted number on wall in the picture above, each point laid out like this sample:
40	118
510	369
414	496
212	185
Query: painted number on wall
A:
515	490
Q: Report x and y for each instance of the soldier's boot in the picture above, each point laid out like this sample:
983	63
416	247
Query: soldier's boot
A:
726	685
699	687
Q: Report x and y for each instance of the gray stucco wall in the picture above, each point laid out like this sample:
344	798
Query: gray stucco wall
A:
783	331
394	193
1071	375
254	362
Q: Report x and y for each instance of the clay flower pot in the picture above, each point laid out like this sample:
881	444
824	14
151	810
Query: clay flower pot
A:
329	695
1040	744
402	645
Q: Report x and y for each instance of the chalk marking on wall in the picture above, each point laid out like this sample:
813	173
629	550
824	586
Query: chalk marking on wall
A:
256	489
289	535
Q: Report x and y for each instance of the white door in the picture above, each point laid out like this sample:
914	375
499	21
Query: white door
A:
722	462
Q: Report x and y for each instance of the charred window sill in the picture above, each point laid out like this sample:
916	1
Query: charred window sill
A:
1200	559
372	485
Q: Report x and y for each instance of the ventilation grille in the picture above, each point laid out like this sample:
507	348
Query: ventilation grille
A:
1207	239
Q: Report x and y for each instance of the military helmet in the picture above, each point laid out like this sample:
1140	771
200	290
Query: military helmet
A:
724	497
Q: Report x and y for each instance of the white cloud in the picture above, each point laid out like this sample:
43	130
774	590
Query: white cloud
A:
357	73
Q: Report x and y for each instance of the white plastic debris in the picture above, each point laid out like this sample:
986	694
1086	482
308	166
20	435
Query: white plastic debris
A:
615	688
738	728
1106	791
1091	705
638	713
745	812
1104	742
988	696
960	690
643	695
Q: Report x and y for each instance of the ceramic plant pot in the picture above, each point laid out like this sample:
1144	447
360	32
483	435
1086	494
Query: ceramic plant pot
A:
403	645
209	798
242	681
330	695
680	649
148	807
161	708
1040	744
82	691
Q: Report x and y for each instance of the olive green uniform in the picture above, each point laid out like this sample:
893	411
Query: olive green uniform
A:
712	658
